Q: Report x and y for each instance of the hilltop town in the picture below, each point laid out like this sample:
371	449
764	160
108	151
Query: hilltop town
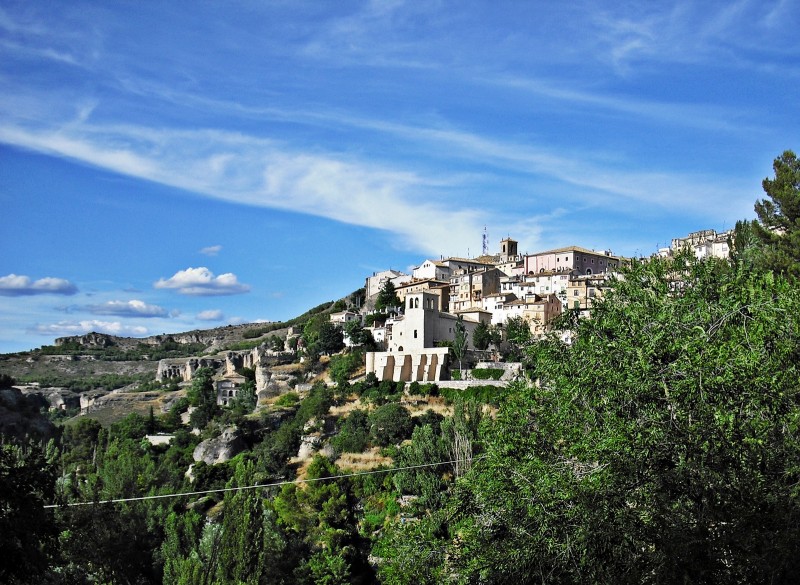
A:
404	324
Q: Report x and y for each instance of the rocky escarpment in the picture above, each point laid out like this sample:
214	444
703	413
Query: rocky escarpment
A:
262	361
184	368
56	398
208	337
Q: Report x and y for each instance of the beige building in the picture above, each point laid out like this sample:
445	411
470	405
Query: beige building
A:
704	244
468	287
541	311
373	284
440	288
583	291
228	388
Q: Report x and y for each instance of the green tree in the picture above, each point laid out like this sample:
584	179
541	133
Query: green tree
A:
353	435
459	345
778	223
387	297
358	335
745	247
331	338
390	424
246	398
203	396
252	548
181	563
27	530
481	336
660	446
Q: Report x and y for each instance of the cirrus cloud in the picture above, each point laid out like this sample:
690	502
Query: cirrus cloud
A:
132	308
202	282
15	285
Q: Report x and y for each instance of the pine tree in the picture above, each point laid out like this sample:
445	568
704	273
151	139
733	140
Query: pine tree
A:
779	216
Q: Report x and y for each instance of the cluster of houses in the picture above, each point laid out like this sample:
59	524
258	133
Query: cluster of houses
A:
490	289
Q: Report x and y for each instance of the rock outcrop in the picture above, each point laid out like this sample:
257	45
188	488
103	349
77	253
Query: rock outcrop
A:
89	340
184	368
220	449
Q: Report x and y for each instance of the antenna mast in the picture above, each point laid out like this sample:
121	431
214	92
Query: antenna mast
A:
485	242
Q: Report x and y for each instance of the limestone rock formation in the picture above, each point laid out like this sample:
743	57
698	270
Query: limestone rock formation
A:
220	449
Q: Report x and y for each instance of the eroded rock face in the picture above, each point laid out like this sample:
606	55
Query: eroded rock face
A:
220	449
308	446
184	368
88	340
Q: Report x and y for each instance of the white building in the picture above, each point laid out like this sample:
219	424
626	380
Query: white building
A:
413	341
373	284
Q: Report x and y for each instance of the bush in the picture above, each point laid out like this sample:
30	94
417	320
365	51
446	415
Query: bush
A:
493	395
417	389
353	436
488	373
288	399
343	366
390	424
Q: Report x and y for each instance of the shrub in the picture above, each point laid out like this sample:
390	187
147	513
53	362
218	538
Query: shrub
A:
493	395
488	373
353	436
288	399
390	424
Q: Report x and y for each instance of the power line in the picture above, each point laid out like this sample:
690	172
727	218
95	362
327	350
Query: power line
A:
260	485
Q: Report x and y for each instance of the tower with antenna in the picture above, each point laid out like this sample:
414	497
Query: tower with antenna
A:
485	242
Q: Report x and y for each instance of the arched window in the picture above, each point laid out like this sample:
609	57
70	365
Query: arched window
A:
416	303
410	303
588	271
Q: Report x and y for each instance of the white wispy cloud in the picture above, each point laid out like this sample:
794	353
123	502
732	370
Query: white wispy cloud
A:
255	171
87	326
15	285
211	250
211	315
202	282
132	308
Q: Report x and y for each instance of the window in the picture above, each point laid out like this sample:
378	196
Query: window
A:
415	333
575	293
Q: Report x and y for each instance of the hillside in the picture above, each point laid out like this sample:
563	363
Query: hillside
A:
99	360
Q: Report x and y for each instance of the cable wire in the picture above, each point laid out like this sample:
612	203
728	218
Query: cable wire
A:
260	485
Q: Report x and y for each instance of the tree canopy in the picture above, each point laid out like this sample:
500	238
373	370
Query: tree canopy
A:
661	445
778	223
387	297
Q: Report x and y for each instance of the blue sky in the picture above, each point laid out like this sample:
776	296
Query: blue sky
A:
167	166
